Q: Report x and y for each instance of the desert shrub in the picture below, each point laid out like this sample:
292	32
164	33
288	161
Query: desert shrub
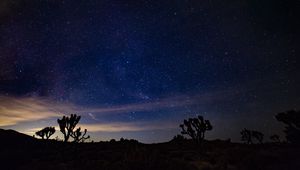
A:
292	121
196	128
258	136
46	133
275	138
246	136
178	139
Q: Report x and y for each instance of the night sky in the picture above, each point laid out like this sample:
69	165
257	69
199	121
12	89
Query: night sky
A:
137	68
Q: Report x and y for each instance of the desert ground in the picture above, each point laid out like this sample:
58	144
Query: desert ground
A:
19	151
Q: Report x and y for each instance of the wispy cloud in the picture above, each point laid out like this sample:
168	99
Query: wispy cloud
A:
15	110
128	126
118	126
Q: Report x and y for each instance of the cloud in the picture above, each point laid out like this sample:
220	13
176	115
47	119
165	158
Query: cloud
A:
118	126
30	114
15	110
128	126
176	101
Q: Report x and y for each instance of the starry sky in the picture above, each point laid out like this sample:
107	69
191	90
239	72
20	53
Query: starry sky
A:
137	68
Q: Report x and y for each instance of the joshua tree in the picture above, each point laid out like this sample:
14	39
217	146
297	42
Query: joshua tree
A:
246	136
67	126
196	128
275	138
78	136
258	136
292	120
46	132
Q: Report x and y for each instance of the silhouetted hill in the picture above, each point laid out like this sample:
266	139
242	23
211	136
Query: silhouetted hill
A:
13	138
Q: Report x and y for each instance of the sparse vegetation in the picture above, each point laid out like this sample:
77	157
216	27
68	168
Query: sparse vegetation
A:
179	139
275	138
292	121
196	128
78	136
67	126
247	136
258	136
46	133
179	153
24	152
112	141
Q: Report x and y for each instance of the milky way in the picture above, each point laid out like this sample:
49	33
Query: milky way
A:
136	69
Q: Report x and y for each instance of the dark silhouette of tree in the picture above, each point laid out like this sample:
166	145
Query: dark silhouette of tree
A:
258	136
246	136
112	141
292	120
178	139
67	126
196	128
46	132
78	136
126	141
275	138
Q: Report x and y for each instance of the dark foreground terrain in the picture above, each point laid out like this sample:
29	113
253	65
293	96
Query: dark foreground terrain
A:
19	151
